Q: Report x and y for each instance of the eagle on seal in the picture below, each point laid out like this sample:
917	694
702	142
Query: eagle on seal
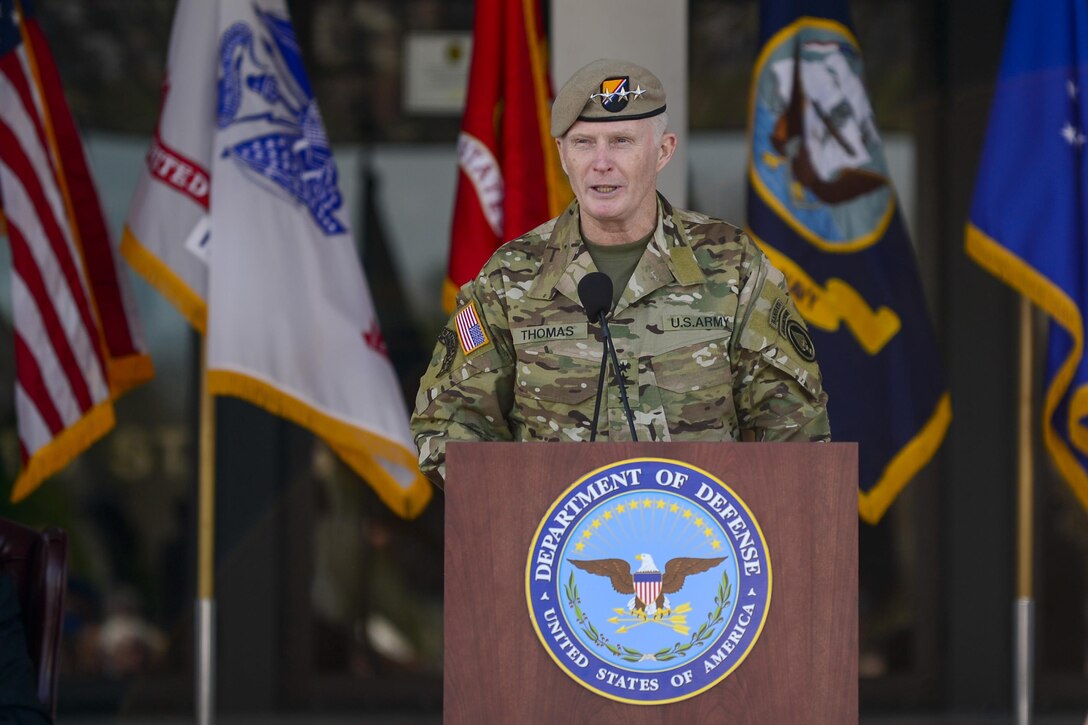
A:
647	583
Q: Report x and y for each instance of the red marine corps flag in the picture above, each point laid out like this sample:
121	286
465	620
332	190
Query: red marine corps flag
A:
238	219
77	340
510	180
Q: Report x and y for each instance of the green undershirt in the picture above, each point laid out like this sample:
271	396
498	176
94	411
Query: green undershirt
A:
618	261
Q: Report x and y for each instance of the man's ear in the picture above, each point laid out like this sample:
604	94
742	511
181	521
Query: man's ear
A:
559	149
666	149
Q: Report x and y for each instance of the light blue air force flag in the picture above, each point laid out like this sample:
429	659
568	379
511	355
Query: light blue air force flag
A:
1027	223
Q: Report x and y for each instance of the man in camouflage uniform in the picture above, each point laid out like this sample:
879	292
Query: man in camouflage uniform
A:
709	342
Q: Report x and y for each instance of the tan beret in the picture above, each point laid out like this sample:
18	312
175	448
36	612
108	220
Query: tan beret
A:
607	90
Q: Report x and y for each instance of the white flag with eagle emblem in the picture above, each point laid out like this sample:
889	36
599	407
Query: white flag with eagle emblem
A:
239	220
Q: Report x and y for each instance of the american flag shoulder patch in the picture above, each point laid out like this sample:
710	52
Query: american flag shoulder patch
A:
469	330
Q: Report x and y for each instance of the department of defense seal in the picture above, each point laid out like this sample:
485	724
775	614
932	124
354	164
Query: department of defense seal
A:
648	581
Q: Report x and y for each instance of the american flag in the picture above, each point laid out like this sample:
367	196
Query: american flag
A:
77	340
469	330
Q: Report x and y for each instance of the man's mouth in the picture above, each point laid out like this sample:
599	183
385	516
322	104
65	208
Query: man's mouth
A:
604	188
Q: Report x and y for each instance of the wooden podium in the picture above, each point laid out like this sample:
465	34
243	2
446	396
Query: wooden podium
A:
803	667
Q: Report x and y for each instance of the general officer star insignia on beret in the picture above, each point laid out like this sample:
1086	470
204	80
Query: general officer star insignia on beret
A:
614	94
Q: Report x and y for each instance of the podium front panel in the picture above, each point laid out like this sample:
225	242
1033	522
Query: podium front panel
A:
802	669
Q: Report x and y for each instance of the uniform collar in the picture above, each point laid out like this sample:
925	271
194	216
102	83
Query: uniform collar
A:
668	258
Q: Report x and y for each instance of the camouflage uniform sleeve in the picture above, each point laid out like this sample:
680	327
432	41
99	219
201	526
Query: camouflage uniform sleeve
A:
779	394
466	397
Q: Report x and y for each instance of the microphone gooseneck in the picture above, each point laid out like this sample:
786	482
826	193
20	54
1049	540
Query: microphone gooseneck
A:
595	294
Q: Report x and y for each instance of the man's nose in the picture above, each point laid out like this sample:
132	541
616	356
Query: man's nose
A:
602	160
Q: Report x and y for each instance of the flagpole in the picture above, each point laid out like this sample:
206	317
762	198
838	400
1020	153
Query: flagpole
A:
1024	608
205	604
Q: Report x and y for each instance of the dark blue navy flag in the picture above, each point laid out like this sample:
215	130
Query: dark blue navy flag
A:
1027	223
822	206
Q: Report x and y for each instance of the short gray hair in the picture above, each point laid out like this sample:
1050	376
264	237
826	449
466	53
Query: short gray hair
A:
660	124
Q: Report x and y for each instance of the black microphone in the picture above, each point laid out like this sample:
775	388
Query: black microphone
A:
595	294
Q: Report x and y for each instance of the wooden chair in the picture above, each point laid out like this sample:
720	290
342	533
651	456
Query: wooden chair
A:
38	562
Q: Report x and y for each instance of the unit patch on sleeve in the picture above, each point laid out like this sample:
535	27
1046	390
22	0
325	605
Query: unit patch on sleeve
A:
798	336
469	330
448	339
782	320
778	313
